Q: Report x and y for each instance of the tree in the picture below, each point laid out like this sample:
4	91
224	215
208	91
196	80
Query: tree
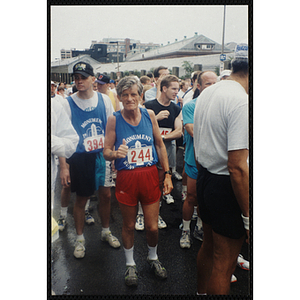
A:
188	68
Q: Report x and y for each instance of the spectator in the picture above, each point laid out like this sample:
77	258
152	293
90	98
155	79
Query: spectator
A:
159	74
221	152
145	80
205	79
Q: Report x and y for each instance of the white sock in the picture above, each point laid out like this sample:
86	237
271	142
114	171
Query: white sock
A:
186	225
199	222
152	253
173	170
129	257
105	230
87	205
140	210
184	188
63	211
80	237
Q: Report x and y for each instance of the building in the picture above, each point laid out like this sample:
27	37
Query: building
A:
196	45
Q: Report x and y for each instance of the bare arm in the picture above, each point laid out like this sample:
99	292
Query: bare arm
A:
109	142
177	132
190	129
239	175
161	153
64	172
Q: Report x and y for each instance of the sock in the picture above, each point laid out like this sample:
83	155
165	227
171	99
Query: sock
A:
87	205
186	225
199	222
195	210
80	237
184	188
201	294
63	211
152	253
129	256
140	210
173	170
105	230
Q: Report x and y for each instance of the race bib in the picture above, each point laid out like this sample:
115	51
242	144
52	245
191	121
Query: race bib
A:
139	156
95	142
164	131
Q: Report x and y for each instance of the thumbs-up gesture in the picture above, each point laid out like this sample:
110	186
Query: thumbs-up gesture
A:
122	151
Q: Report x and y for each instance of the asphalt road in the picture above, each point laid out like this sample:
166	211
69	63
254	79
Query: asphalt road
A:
101	271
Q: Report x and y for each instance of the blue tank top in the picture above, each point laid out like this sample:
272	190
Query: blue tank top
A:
89	125
139	139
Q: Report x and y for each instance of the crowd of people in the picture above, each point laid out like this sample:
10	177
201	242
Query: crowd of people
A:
120	133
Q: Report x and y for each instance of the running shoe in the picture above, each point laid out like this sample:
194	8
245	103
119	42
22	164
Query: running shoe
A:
159	270
176	175
183	195
233	278
198	233
79	251
194	216
112	240
139	223
161	223
168	198
131	278
242	263
61	223
185	240
88	218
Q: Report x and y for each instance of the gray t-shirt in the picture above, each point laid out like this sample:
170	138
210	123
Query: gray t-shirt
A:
220	124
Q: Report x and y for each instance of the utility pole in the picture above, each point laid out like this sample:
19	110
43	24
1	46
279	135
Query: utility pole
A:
223	36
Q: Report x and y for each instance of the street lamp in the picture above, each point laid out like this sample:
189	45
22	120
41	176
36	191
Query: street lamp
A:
118	66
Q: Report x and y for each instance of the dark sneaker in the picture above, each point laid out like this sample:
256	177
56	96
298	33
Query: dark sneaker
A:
131	278
159	270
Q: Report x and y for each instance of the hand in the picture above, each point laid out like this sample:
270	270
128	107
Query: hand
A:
123	150
168	185
164	114
65	177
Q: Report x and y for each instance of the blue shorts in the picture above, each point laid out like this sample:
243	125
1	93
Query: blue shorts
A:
191	171
89	171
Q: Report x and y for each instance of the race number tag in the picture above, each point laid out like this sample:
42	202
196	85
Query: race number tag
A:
164	131
94	142
140	155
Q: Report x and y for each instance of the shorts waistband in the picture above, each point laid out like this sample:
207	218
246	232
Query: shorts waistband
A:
139	170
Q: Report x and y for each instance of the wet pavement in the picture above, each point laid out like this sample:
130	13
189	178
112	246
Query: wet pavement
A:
101	271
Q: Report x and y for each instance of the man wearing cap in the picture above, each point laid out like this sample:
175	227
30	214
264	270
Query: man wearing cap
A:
87	169
103	84
221	153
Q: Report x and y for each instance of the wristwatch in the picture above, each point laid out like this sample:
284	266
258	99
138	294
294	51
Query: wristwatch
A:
163	137
168	172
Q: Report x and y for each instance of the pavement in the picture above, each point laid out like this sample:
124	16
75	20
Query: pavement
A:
101	271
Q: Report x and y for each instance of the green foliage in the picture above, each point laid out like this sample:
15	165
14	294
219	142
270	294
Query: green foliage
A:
188	68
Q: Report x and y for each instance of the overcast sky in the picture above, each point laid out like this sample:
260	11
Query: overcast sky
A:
77	26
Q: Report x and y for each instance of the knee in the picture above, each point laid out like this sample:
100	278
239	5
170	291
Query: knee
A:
129	227
152	228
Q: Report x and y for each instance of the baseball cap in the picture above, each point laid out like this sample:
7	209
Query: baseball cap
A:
103	79
83	68
225	73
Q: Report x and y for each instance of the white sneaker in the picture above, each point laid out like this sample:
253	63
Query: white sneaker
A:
233	278
242	263
176	175
161	223
183	195
79	251
112	240
88	218
139	222
168	198
185	240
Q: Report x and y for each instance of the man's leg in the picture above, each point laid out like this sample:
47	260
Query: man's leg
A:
104	205
205	260
79	213
151	223
225	253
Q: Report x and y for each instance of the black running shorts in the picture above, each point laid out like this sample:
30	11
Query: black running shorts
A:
217	204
